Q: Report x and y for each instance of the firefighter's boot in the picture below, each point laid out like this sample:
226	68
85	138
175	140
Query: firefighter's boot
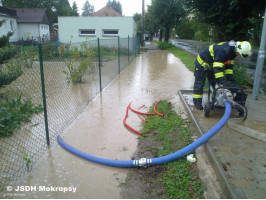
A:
198	104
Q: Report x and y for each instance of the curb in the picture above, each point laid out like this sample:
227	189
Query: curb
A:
247	131
226	186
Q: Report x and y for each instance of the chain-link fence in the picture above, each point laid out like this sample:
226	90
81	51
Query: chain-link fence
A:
44	88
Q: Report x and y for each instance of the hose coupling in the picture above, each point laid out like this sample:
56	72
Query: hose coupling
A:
143	162
223	95
228	95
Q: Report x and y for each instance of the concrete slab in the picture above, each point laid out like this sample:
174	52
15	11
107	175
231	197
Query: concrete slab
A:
239	158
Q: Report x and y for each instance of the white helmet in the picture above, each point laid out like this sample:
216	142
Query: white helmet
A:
243	48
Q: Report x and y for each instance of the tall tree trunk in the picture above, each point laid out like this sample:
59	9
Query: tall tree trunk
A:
161	35
166	34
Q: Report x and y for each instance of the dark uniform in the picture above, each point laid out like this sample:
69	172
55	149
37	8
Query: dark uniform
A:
215	61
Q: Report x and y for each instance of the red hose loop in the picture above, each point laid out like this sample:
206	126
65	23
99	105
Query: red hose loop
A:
154	109
142	119
126	124
140	113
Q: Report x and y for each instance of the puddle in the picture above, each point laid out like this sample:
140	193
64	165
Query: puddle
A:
99	130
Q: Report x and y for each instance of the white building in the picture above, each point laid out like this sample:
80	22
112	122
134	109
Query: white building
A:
10	23
33	22
25	23
80	29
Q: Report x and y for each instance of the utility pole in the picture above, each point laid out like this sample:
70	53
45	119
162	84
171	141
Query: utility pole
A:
260	61
143	24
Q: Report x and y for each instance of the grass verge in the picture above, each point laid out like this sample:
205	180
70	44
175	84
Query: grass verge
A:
180	177
162	136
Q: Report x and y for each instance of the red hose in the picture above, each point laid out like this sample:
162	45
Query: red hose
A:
142	119
141	113
126	124
154	109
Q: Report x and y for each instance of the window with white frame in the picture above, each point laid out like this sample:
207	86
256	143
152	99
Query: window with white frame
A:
111	32
87	32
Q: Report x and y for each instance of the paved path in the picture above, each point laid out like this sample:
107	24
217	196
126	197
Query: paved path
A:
240	153
99	130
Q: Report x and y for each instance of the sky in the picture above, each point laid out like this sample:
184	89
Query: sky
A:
129	7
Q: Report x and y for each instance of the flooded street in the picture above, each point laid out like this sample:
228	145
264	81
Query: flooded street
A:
99	130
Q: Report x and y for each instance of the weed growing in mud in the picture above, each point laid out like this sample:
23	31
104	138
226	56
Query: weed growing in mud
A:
14	112
179	178
26	159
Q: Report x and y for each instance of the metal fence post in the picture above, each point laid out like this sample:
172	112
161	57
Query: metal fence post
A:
128	48
99	62
118	38
134	46
260	61
43	95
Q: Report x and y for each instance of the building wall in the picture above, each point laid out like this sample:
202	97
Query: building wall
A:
44	31
28	30
35	31
9	25
70	28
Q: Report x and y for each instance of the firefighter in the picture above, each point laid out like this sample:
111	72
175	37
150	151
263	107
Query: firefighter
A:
216	61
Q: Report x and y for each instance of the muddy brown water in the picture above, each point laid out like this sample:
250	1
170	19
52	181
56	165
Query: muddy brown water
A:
64	102
99	130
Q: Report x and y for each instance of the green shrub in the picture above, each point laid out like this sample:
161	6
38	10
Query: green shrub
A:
48	51
26	58
13	112
241	76
200	36
80	61
184	29
7	78
6	55
164	45
10	71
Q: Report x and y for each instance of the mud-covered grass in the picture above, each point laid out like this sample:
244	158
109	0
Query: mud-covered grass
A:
162	136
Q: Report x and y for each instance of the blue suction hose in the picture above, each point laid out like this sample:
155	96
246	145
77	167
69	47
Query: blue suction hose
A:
143	162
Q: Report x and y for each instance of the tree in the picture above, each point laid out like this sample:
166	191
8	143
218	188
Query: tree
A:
87	9
62	8
184	29
20	4
137	19
116	5
54	8
231	18
151	27
75	9
164	14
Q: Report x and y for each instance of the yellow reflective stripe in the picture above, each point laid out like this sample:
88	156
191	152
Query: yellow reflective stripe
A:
228	71
218	64
211	51
219	75
221	43
201	62
232	62
197	96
